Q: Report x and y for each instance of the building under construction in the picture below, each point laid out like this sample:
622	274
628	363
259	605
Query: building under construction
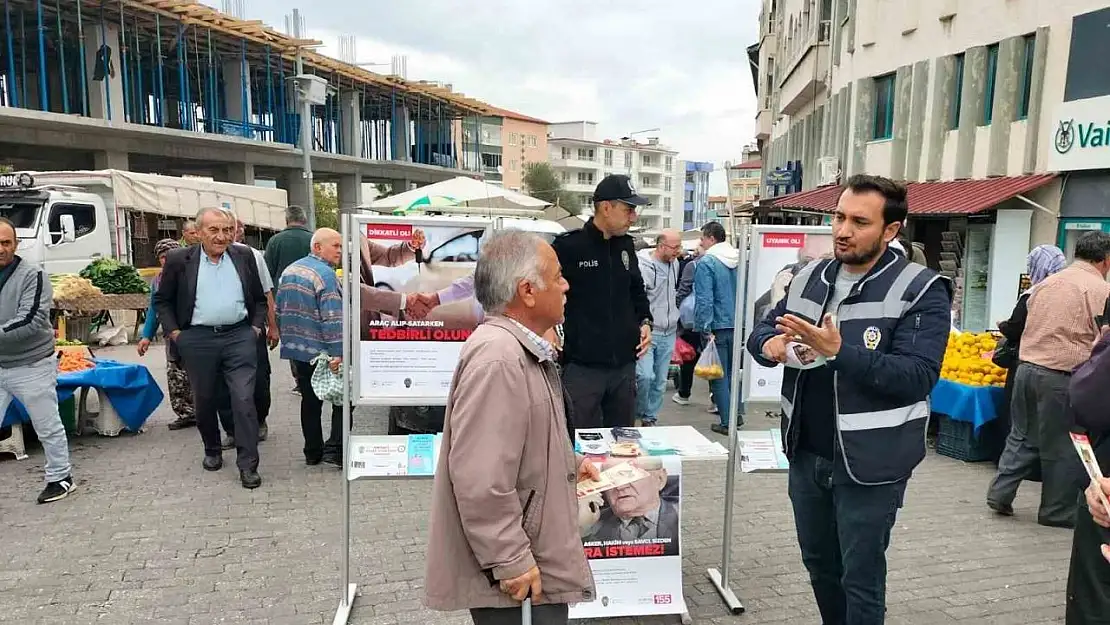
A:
178	87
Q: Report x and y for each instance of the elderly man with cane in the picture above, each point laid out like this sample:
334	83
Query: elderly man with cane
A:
504	512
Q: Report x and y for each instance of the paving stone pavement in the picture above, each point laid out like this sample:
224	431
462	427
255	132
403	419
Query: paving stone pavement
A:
150	537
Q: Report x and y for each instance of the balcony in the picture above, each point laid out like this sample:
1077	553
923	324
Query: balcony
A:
651	167
763	121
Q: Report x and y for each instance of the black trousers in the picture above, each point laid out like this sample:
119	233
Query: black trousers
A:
601	397
686	370
262	400
229	357
547	614
312	408
1088	594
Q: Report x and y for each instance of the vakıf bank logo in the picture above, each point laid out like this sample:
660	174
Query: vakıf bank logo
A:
1065	136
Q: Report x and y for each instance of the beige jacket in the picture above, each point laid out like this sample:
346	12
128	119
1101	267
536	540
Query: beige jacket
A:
504	496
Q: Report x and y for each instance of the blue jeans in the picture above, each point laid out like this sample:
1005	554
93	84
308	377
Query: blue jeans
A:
651	375
722	389
843	531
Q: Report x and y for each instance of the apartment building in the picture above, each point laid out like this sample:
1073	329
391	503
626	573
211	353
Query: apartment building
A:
745	180
984	107
695	207
506	141
581	160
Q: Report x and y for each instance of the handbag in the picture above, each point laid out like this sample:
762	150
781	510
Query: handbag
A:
327	384
1005	354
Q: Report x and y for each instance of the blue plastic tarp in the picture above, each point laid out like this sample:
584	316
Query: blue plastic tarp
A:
977	405
130	388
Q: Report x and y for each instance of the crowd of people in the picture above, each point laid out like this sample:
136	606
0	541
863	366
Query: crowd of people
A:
580	333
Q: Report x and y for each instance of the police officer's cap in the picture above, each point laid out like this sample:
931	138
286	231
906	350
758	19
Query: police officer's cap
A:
618	188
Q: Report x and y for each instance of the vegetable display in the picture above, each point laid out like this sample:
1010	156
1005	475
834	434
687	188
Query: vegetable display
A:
72	361
71	287
110	276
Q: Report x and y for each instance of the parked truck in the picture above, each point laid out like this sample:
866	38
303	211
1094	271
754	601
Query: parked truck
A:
64	219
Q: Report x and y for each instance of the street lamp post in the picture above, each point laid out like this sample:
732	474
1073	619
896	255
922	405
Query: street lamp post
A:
731	206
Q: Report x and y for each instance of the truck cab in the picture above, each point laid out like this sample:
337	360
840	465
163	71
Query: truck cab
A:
58	228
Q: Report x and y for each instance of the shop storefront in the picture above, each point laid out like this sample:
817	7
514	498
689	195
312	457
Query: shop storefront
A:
976	232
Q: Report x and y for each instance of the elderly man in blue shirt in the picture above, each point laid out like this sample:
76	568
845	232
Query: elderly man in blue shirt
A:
213	309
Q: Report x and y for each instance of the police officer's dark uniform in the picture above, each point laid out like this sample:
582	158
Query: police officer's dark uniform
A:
606	308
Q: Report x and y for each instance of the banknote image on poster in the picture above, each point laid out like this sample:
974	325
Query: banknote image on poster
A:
417	305
631	537
777	256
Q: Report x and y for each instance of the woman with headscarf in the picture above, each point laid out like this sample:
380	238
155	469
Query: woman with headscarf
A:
180	391
1041	263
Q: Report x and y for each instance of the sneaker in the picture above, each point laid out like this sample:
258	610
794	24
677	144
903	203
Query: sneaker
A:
650	423
712	409
719	429
57	490
680	400
229	442
296	391
263	432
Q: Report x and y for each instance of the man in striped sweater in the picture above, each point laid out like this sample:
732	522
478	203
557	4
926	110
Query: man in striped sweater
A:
310	321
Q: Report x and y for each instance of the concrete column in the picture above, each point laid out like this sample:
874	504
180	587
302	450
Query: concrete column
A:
919	97
400	139
295	186
828	126
941	94
240	173
400	185
1007	88
350	191
111	160
238	105
903	87
843	109
851	26
350	116
864	116
105	96
1036	86
972	94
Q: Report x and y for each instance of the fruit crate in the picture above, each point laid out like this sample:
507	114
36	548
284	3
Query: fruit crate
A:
957	439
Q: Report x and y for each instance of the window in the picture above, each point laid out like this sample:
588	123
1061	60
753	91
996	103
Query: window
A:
647	161
1029	45
667	203
957	90
627	159
22	213
988	97
690	196
564	153
585	154
608	158
461	249
670	163
84	220
645	181
491	161
512	138
883	127
667	183
513	165
565	176
585	177
531	141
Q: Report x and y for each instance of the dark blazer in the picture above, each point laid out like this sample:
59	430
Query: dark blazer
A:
177	292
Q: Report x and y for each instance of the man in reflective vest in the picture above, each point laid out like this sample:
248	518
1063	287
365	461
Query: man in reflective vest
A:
862	336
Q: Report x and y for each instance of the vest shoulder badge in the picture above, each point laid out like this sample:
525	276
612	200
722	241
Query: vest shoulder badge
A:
624	259
871	337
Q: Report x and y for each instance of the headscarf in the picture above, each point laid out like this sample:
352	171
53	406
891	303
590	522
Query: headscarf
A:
164	246
1044	261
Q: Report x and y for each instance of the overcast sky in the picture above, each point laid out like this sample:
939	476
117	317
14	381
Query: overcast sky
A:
627	64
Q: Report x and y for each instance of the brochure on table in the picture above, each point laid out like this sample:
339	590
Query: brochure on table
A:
761	451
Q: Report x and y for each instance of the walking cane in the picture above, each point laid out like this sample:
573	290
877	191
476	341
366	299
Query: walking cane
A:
526	609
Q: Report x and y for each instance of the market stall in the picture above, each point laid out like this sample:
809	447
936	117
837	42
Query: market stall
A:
127	395
84	302
968	396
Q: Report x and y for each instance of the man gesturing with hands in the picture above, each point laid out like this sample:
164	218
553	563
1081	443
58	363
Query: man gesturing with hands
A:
862	336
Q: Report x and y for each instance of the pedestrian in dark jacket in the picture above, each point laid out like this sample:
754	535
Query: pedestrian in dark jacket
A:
285	248
690	335
608	321
873	328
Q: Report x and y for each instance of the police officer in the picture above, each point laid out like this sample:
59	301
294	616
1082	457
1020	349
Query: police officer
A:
608	322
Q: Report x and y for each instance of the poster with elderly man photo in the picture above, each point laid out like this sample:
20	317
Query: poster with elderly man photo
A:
632	540
416	304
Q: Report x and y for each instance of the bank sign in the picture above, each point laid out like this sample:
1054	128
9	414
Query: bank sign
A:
1079	135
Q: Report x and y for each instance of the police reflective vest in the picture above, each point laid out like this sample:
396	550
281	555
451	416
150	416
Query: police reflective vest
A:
882	439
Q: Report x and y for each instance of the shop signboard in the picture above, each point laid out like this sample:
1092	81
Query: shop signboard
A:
1079	135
